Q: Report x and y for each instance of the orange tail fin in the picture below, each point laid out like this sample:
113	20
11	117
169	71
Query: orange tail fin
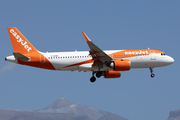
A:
19	42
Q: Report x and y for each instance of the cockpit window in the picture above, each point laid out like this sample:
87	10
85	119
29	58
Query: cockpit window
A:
163	54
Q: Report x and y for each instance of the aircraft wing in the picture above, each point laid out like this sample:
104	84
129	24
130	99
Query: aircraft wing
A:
97	54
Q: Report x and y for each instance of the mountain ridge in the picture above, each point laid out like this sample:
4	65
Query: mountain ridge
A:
61	109
62	105
61	102
174	115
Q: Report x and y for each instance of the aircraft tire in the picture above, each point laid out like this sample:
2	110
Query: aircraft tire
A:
152	75
92	79
98	74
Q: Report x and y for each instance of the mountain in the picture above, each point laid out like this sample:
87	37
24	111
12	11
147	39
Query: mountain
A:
29	115
61	109
174	115
62	105
61	102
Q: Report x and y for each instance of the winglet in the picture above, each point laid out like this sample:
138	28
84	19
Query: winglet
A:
86	37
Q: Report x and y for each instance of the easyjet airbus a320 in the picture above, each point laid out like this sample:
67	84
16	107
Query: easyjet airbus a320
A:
107	63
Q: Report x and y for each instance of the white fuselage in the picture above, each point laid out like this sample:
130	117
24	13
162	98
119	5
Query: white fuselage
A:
62	59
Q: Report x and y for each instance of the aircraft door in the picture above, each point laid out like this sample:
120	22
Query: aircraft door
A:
153	55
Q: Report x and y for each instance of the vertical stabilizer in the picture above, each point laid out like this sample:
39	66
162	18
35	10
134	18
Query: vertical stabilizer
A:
19	42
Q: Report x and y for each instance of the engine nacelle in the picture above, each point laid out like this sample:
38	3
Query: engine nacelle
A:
112	74
121	65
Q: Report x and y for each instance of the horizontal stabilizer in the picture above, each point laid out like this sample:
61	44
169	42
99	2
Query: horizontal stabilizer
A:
20	56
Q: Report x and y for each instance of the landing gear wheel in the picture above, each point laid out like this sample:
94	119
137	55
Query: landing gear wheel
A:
152	75
92	79
98	74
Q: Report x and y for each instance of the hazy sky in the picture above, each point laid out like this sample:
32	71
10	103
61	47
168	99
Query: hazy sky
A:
111	25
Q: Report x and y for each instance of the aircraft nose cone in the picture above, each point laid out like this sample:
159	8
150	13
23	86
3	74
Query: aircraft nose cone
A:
170	60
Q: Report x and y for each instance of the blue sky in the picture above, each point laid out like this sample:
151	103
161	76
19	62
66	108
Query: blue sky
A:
112	25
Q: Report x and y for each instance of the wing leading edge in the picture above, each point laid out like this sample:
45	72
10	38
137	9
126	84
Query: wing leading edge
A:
98	55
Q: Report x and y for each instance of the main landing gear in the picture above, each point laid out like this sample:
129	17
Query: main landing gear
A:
152	74
98	75
92	79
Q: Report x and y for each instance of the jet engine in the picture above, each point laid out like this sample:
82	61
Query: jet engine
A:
121	65
112	74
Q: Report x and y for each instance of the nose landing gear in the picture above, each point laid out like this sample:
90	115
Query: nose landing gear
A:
152	74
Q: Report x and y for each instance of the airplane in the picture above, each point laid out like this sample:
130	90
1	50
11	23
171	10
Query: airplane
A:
107	63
